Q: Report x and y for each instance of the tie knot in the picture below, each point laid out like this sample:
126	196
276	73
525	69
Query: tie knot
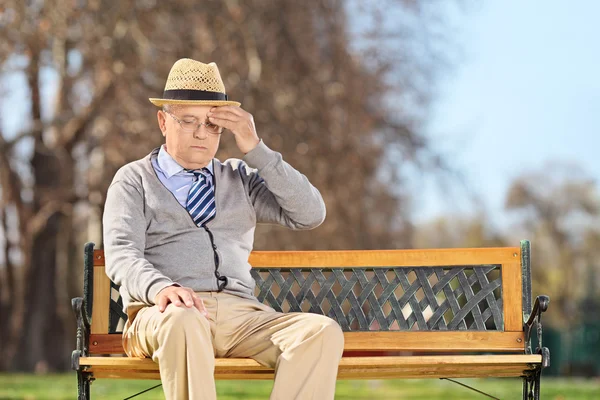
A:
199	172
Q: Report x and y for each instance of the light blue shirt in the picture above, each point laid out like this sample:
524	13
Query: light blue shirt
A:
174	176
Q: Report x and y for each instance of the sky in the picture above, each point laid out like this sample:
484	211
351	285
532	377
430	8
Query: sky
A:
525	92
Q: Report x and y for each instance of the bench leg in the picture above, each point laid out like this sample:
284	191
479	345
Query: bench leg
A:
531	386
84	381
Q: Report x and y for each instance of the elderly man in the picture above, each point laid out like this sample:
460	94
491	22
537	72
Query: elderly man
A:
178	230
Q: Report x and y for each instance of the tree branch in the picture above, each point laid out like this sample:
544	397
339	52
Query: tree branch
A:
9	179
35	131
40	219
75	128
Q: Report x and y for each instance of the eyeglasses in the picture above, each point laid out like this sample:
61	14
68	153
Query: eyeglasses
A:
193	125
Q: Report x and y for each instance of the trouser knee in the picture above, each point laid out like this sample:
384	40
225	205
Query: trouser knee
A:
180	323
330	332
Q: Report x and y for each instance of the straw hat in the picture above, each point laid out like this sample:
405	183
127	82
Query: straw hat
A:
192	82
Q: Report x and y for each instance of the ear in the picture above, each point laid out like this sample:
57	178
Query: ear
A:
162	122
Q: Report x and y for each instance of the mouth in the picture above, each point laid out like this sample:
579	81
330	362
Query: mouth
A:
199	147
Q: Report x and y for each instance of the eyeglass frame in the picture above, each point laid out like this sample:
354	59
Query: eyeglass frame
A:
197	127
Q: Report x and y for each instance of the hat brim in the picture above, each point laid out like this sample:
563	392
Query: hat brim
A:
162	102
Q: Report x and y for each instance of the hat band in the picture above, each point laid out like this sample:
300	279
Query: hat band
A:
189	94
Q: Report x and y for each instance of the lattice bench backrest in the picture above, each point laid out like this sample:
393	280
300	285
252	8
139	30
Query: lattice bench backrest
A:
377	291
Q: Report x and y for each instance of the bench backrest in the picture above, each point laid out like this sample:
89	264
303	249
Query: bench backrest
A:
442	300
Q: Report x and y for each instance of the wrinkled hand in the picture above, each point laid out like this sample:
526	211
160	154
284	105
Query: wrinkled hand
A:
179	296
239	122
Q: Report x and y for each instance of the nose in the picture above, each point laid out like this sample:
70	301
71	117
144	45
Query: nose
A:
198	135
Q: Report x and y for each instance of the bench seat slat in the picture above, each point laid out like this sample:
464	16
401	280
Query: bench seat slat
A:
342	374
438	341
350	367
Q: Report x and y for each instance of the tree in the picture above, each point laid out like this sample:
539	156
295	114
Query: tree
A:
558	208
458	231
89	68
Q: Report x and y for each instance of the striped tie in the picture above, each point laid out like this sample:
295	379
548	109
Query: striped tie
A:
201	198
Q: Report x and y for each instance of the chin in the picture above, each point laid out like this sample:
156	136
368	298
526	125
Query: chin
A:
194	159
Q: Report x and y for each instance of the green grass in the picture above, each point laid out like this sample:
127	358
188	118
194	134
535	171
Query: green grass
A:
63	387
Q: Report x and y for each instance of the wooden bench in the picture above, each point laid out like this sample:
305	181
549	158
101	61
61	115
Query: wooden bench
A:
445	313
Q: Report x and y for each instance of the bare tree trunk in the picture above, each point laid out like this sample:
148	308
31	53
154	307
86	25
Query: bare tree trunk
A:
42	344
6	286
10	297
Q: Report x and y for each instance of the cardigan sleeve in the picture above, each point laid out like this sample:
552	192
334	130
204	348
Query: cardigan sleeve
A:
124	227
279	193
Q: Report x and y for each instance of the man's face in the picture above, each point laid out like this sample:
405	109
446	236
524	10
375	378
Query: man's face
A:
191	150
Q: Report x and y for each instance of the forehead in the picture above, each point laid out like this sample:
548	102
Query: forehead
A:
191	111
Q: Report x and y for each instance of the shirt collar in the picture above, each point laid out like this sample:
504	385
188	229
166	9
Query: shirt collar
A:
169	166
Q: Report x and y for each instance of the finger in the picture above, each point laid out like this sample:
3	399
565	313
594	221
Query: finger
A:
226	116
235	110
199	304
186	297
175	300
222	122
162	302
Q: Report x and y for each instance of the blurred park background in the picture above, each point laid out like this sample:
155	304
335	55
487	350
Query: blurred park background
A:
458	123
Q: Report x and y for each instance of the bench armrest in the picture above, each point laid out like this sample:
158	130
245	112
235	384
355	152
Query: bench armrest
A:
535	321
83	331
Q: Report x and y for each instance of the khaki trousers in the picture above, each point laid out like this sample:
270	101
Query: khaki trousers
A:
303	348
